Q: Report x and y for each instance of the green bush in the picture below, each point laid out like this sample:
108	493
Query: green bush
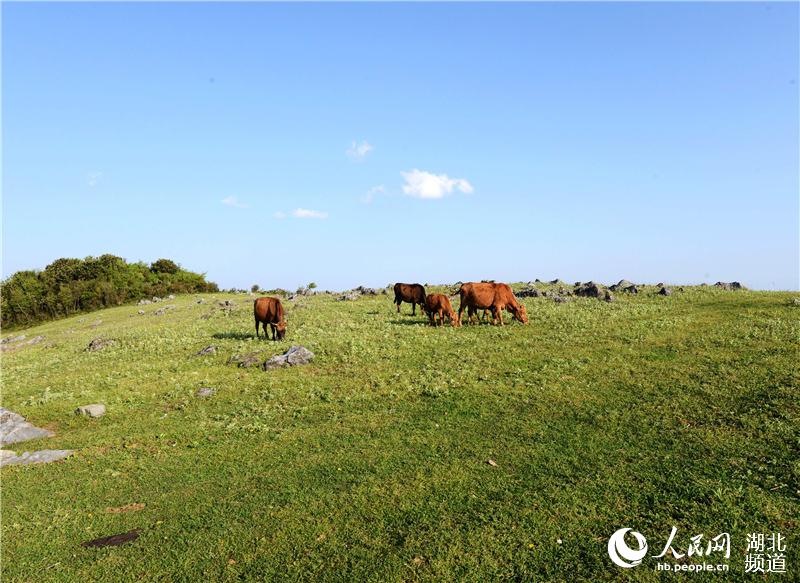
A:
68	286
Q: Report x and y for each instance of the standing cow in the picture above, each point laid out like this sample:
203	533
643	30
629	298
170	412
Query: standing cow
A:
440	304
413	293
270	311
493	296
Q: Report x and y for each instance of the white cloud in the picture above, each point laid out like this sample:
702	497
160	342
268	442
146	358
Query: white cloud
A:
301	213
279	215
93	178
421	184
370	195
358	151
232	201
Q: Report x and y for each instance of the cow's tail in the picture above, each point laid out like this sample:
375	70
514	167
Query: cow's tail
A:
457	291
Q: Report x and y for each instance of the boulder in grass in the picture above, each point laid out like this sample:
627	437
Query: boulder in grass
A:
94	410
15	429
207	350
9	458
206	392
349	296
245	360
295	356
621	285
664	291
732	286
590	290
99	344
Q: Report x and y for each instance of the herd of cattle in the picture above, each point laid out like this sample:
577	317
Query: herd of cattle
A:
487	296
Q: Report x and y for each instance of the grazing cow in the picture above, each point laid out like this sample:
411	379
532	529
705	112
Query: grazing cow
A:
493	296
440	304
270	311
413	293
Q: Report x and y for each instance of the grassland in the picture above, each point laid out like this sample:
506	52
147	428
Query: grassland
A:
370	464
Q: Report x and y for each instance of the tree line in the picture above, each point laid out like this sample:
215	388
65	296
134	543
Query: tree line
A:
69	286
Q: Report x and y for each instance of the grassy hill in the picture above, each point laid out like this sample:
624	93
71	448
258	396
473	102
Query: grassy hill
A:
370	464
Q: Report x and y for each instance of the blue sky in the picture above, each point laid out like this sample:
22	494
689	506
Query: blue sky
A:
370	143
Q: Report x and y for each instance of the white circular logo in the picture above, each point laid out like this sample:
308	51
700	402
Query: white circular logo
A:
621	553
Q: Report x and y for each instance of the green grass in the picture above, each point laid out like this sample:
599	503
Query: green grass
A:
370	464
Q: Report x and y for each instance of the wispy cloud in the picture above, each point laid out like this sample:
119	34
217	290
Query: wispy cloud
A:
279	215
358	151
301	213
372	193
232	201
421	184
93	178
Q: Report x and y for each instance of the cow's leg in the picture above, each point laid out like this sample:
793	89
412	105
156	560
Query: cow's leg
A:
413	308
398	302
256	328
497	313
441	317
460	310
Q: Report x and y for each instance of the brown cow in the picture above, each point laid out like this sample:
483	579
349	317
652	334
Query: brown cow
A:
413	293
440	304
494	296
270	311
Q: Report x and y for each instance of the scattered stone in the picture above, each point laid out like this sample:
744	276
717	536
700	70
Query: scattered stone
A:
162	311
561	300
115	540
732	286
589	290
37	457
205	392
491	462
366	291
11	340
94	410
349	296
99	344
144	303
608	297
528	292
227	303
141	312
245	360
631	289
14	428
31	342
200	301
557	282
171	297
621	285
207	350
156	299
295	356
664	291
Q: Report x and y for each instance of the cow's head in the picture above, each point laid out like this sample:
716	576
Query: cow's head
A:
455	320
521	314
281	328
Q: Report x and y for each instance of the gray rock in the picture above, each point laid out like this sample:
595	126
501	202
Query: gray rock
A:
205	392
171	297
366	291
144	303
621	285
200	301
528	292
207	350
561	300
37	457
12	339
349	296
94	410
665	291
141	312
608	297
14	428
590	290
631	289
296	355
32	341
156	299
99	344
245	360
732	286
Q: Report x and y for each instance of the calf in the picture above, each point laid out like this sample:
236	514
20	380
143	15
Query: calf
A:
270	311
440	304
412	293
